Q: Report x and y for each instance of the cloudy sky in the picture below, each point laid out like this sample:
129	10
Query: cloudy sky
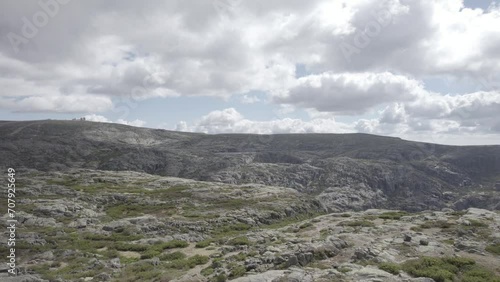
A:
424	70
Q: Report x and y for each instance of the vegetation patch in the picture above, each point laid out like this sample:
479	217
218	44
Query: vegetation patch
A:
494	249
357	223
188	263
239	241
394	215
392	268
449	269
204	243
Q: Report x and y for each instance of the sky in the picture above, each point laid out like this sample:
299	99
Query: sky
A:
417	69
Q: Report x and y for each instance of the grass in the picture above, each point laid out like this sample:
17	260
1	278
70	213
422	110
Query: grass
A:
344	269
188	263
239	241
494	249
204	243
237	271
392	268
357	223
173	256
394	215
306	225
174	244
448	269
436	224
134	210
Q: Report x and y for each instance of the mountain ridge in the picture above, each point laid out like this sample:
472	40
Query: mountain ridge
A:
375	171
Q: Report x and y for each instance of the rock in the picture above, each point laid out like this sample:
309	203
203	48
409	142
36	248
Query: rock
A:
115	263
103	277
424	242
407	238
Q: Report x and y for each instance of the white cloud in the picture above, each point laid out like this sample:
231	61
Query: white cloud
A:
248	99
350	93
58	103
231	121
131	49
99	118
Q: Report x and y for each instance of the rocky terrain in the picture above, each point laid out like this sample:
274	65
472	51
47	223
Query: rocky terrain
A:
106	202
91	225
343	171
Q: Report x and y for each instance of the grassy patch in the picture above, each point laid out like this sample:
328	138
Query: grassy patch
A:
188	263
173	256
204	243
357	223
392	268
174	244
394	215
436	224
449	269
238	241
237	271
494	249
344	269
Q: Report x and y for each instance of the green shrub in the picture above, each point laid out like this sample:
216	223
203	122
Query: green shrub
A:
394	215
173	244
203	244
358	223
173	256
130	247
188	263
219	278
477	223
237	271
436	224
494	249
207	271
449	269
306	225
390	267
344	269
151	253
238	241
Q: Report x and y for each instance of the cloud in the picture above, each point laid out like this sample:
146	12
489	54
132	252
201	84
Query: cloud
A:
364	59
248	99
99	118
350	93
58	103
231	121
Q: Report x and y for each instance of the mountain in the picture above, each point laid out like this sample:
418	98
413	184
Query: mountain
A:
341	171
108	202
